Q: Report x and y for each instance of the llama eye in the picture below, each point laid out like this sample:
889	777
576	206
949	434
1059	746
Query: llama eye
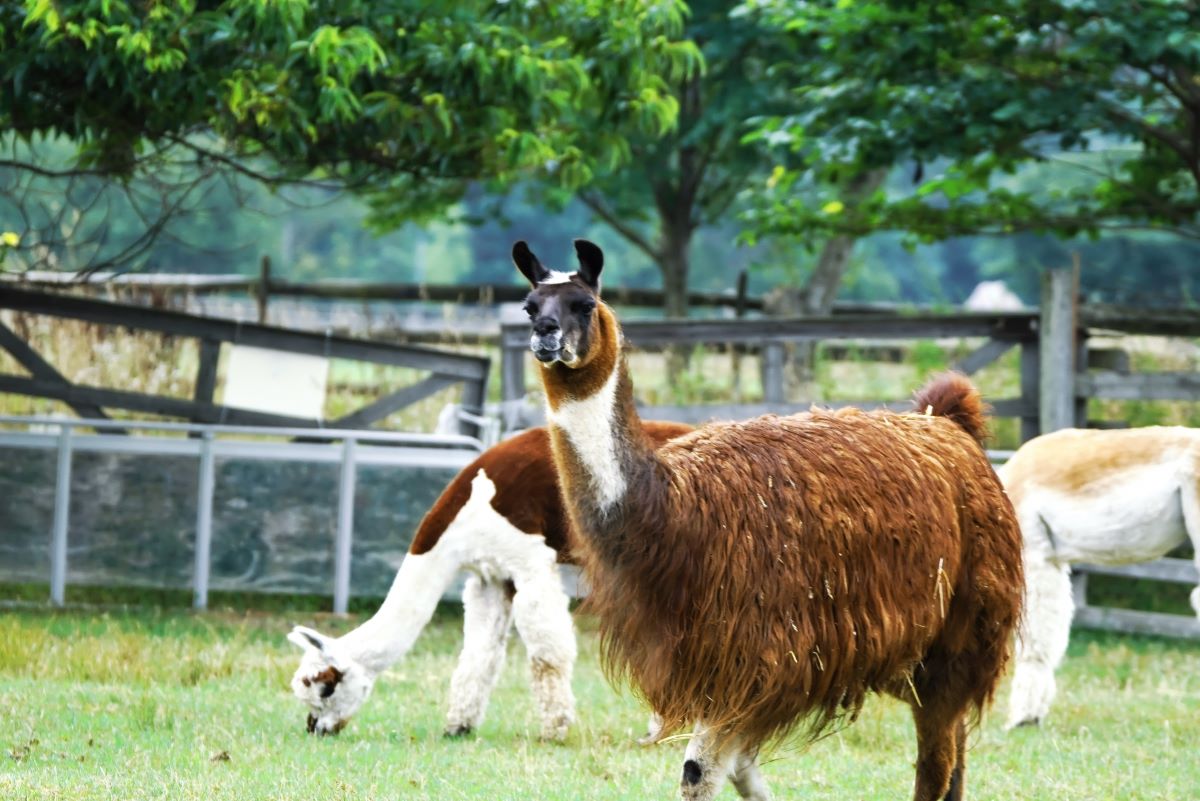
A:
583	306
531	309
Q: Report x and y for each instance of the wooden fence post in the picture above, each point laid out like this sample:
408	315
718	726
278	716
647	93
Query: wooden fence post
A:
735	356
772	371
1057	345
1030	391
263	291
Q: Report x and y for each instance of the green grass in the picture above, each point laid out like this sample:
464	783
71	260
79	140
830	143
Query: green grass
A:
171	705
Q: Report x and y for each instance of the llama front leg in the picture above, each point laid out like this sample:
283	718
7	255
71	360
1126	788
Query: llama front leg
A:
1042	638
653	730
704	769
487	617
707	766
543	617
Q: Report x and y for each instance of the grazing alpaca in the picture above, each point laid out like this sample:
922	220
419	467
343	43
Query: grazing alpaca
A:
1110	497
502	519
756	577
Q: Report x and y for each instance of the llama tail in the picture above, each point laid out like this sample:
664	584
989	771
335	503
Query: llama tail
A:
953	395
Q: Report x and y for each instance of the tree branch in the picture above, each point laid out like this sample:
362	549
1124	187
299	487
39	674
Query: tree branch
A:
635	237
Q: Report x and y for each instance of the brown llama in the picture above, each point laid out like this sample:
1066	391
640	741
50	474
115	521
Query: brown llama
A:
760	577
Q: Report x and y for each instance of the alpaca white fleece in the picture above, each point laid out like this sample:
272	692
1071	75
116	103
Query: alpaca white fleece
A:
1133	515
482	541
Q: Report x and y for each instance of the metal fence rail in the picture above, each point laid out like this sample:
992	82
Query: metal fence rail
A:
348	448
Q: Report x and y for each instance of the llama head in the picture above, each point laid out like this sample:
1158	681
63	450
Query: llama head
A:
562	306
332	685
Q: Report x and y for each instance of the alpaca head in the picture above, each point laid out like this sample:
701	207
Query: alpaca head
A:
563	307
330	684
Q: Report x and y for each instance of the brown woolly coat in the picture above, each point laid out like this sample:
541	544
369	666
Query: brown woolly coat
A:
763	575
527	492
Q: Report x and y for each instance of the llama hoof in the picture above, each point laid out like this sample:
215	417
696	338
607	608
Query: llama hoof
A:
1026	723
455	730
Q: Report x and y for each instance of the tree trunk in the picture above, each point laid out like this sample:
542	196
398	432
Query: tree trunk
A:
817	297
674	263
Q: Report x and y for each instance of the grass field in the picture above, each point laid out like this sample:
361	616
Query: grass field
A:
171	705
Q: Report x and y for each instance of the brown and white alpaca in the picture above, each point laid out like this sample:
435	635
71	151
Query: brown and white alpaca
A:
757	577
1109	497
501	519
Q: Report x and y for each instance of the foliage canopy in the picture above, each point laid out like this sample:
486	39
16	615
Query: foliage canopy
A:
975	92
355	91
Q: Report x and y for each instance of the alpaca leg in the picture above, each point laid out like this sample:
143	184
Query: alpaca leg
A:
940	773
1041	640
544	622
487	616
1190	497
747	779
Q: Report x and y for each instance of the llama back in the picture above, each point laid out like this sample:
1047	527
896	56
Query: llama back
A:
825	569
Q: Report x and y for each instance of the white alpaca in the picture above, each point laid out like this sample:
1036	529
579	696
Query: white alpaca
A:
514	575
508	535
1108	497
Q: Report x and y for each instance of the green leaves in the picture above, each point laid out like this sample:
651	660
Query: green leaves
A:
370	92
982	90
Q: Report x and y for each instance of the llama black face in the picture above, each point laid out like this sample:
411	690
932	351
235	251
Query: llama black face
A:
561	305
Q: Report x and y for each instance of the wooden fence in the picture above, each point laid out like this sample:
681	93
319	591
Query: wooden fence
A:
445	369
1059	372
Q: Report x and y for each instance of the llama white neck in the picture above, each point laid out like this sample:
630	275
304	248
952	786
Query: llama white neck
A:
591	427
390	633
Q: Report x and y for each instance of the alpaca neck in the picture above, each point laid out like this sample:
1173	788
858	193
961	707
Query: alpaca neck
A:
390	633
600	448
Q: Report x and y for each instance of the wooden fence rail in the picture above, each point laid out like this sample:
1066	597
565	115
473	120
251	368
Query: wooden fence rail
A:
265	286
1000	332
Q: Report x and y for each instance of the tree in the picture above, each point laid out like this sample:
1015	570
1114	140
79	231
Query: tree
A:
672	185
973	92
409	93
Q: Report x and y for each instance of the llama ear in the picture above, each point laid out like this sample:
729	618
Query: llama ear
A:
308	639
528	264
591	262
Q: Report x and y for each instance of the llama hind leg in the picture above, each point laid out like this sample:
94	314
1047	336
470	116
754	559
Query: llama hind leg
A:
544	622
487	617
941	736
1041	640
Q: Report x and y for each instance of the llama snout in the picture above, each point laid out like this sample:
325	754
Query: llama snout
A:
546	342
